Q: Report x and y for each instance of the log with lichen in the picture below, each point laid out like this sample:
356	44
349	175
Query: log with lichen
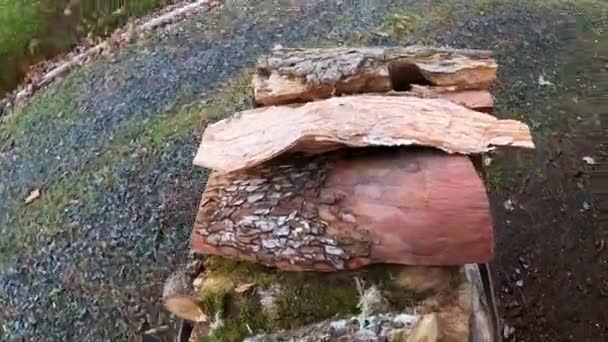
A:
301	75
258	135
348	209
382	302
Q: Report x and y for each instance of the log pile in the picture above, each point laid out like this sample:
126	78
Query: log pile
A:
357	157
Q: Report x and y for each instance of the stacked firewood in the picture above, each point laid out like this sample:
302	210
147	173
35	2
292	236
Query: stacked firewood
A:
356	157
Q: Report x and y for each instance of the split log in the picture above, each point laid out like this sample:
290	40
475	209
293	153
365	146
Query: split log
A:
254	136
301	75
347	209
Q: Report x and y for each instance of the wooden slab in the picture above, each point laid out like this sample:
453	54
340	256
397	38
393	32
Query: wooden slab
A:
347	209
254	136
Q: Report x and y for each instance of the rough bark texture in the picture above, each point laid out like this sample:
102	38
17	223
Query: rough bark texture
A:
348	209
300	75
254	136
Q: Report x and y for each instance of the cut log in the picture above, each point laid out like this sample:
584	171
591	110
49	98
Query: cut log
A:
301	75
258	135
347	209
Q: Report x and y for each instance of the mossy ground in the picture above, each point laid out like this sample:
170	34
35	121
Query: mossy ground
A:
46	215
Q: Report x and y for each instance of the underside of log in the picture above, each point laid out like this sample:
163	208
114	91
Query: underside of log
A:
301	75
376	302
347	209
255	136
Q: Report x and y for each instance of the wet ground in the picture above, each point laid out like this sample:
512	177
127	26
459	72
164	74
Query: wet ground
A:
110	148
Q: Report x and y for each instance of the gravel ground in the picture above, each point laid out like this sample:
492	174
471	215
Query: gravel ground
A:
88	264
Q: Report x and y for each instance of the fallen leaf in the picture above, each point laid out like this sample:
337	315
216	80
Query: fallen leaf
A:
34	194
589	160
243	287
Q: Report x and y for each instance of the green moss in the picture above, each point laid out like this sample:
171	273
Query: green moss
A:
309	297
249	321
214	294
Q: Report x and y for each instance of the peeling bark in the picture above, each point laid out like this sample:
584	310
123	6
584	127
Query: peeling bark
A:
301	75
344	211
254	136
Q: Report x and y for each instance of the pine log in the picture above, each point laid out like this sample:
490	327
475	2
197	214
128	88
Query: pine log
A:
301	75
347	209
254	136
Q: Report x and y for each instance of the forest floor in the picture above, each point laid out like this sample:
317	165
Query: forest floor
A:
110	149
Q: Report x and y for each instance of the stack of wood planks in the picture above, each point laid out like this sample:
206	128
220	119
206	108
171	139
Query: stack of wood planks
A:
356	157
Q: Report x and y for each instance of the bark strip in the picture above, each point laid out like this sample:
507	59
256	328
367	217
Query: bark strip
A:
258	135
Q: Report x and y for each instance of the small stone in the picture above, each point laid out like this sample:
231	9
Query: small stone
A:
519	283
238	202
589	160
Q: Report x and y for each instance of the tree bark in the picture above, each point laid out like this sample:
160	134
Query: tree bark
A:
302	75
255	136
348	209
